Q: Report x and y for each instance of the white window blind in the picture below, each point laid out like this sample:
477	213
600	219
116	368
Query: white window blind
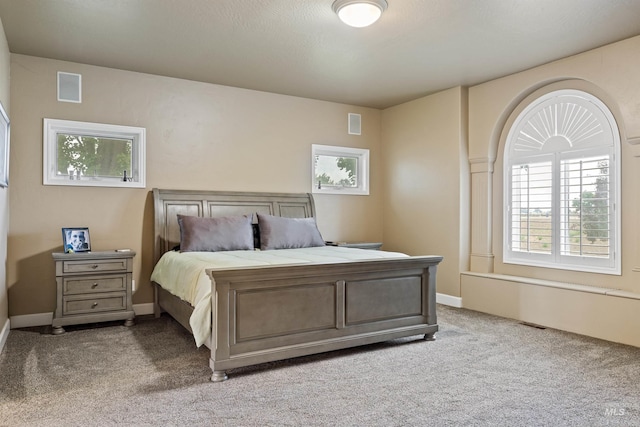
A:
585	224
532	208
562	185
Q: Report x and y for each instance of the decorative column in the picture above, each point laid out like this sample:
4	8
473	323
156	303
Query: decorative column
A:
481	260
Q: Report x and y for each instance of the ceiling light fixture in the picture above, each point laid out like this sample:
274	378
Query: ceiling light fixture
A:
359	13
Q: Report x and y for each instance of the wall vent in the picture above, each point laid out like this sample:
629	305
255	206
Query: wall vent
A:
69	87
355	124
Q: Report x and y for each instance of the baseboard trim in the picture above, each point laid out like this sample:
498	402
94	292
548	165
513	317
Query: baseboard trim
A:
42	319
450	300
4	334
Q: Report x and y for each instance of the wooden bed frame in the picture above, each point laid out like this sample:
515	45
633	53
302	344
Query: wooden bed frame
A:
262	314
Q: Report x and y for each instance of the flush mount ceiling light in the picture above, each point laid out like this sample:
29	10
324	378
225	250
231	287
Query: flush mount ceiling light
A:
359	13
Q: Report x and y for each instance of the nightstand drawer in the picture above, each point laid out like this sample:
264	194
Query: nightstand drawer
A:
94	284
94	303
87	266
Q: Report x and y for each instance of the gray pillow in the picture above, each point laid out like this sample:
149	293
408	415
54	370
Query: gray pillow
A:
288	233
228	233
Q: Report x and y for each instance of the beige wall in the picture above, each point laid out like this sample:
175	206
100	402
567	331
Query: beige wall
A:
611	73
444	196
437	193
425	170
4	198
199	136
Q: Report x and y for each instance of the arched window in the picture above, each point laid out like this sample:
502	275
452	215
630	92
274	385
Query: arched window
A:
562	185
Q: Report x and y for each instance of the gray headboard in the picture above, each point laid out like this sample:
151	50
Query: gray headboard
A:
169	203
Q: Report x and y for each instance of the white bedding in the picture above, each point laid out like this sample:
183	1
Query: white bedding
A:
183	274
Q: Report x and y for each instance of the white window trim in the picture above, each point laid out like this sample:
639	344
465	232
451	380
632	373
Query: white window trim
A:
363	169
611	265
52	127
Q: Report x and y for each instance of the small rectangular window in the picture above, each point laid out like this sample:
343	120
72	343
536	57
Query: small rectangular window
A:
340	170
93	154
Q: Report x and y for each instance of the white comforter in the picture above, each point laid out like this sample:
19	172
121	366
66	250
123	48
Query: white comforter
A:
183	274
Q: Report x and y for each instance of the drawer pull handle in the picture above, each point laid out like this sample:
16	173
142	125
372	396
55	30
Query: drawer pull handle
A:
94	266
95	285
94	305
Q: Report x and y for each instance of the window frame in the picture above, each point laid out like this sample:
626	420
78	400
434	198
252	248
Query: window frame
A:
362	178
53	127
557	259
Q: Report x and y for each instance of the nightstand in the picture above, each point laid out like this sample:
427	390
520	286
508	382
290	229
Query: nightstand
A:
359	245
93	287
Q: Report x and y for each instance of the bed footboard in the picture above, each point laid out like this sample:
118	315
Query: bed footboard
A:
272	313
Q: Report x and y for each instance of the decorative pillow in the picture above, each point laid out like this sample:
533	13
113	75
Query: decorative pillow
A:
288	233
229	233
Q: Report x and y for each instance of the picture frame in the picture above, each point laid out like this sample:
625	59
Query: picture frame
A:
4	147
76	239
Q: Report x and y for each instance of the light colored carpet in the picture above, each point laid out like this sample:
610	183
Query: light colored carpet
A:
481	371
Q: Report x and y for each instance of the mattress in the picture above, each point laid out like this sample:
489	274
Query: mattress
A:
183	274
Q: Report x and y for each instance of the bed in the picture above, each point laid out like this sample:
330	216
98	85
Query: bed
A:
261	312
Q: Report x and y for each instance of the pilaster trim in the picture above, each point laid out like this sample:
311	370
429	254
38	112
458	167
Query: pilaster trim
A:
482	255
481	164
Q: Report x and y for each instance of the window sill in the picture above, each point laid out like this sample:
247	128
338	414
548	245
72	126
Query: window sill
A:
584	267
558	285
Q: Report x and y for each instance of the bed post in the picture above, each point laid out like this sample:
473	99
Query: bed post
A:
220	325
432	318
219	376
159	230
157	311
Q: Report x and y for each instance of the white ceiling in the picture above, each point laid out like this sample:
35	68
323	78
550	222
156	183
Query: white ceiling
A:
301	48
